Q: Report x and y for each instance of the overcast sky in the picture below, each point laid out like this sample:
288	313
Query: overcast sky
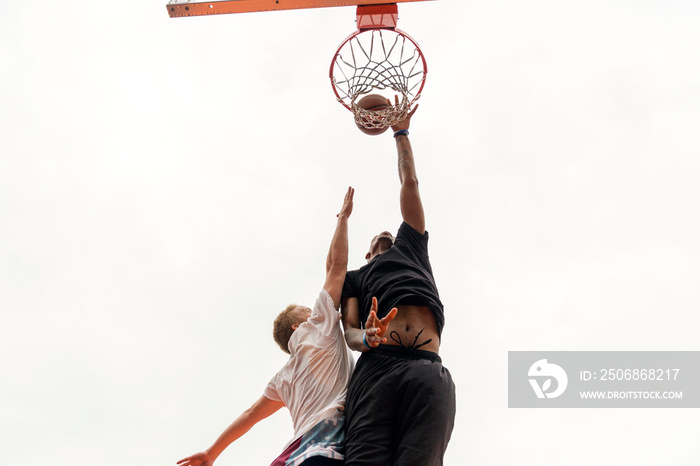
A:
167	186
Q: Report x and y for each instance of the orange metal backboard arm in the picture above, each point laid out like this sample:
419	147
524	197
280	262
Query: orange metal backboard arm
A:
180	8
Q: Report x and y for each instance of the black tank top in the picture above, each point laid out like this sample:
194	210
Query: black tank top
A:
401	275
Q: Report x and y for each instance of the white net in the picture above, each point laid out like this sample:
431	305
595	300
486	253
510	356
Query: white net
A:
378	60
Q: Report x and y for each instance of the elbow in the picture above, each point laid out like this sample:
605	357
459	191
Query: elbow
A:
348	339
336	266
410	182
337	263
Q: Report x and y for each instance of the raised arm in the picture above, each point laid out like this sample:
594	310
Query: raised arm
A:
411	204
261	409
337	261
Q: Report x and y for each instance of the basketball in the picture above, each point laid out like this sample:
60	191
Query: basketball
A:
372	103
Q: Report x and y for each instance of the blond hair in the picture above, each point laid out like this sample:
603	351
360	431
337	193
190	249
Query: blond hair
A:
282	327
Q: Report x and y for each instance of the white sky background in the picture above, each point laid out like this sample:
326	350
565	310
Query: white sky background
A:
167	186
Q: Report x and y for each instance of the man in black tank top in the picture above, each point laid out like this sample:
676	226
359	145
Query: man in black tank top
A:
401	399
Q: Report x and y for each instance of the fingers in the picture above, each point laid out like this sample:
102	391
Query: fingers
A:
189	461
406	121
389	317
374	334
396	104
375	328
375	322
199	459
346	209
373	337
372	320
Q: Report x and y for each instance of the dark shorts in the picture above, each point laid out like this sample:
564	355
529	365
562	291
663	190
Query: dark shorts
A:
400	408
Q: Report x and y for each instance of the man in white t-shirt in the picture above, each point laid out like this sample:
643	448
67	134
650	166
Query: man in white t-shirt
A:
313	383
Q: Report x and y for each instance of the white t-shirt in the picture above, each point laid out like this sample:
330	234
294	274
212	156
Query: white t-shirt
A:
313	383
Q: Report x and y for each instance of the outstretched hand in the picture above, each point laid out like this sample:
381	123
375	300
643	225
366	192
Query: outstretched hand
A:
199	459
405	123
375	328
346	210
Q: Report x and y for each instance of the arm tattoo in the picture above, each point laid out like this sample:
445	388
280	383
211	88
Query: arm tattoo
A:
403	163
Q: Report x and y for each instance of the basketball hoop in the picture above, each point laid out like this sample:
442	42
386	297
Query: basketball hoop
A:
378	58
